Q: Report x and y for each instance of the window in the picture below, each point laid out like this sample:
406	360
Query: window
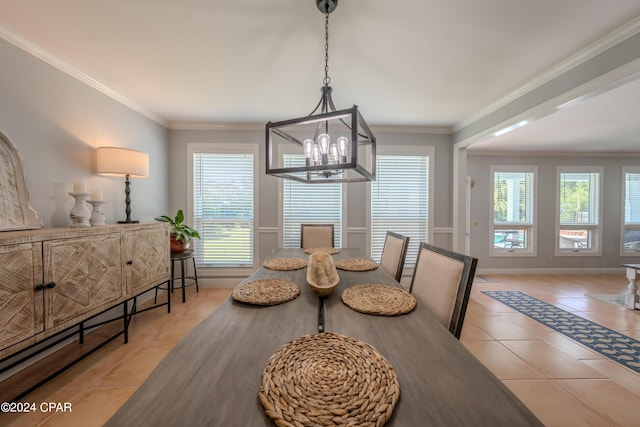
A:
578	210
223	204
304	203
513	210
400	199
631	211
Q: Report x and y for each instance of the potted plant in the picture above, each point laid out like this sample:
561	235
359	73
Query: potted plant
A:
181	234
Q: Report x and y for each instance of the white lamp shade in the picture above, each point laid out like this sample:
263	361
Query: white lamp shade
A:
116	161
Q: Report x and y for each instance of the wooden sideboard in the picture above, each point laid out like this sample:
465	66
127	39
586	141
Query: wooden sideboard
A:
53	279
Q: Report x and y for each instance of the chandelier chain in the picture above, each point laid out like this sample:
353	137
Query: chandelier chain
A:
327	79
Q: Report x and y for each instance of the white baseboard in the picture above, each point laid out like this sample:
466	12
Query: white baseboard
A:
616	270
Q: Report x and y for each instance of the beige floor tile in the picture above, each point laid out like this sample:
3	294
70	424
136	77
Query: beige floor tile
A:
524	322
609	399
632	334
41	413
92	369
554	406
476	309
625	377
550	361
471	331
501	328
136	368
617	320
569	346
501	361
579	304
93	407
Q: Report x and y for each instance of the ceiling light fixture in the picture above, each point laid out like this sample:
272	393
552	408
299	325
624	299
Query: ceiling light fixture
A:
327	145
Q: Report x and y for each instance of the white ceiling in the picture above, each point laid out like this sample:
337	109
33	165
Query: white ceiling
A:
403	62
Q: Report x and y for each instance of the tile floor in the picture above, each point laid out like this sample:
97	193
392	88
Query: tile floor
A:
564	383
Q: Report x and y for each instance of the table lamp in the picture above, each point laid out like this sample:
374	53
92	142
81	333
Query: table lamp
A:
115	161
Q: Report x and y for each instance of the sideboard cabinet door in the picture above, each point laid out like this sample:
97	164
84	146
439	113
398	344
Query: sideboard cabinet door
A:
21	304
82	276
146	257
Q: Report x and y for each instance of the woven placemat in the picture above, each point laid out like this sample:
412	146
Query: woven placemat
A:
328	379
326	249
285	264
356	264
382	300
266	292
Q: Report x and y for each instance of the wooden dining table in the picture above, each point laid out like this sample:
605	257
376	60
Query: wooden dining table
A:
213	376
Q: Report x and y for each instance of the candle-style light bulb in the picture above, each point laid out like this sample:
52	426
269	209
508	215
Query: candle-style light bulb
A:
323	142
333	152
308	147
308	150
343	143
315	156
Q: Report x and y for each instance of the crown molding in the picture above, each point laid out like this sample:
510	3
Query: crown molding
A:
432	130
573	154
61	65
239	126
622	33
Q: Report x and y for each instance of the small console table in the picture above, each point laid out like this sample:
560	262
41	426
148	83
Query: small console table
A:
632	298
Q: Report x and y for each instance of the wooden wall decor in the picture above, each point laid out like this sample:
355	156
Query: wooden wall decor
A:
16	212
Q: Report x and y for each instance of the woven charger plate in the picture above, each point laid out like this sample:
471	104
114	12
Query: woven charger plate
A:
328	379
266	292
382	300
356	264
285	264
326	250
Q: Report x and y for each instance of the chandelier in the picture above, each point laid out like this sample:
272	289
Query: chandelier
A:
328	145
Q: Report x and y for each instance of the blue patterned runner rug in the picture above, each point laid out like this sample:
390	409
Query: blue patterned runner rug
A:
614	345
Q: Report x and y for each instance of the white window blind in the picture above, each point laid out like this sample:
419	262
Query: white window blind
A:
223	202
631	226
400	202
309	204
632	198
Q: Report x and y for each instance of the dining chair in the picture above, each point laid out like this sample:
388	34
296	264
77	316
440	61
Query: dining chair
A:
442	281
394	253
316	235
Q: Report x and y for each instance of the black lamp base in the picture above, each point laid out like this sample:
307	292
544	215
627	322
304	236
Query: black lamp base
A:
127	202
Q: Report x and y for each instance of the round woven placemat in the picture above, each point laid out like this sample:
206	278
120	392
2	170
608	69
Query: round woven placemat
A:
327	250
285	264
382	300
328	379
356	264
266	292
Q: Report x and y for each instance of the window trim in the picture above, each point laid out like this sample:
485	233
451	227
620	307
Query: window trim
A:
596	250
623	251
225	148
532	249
